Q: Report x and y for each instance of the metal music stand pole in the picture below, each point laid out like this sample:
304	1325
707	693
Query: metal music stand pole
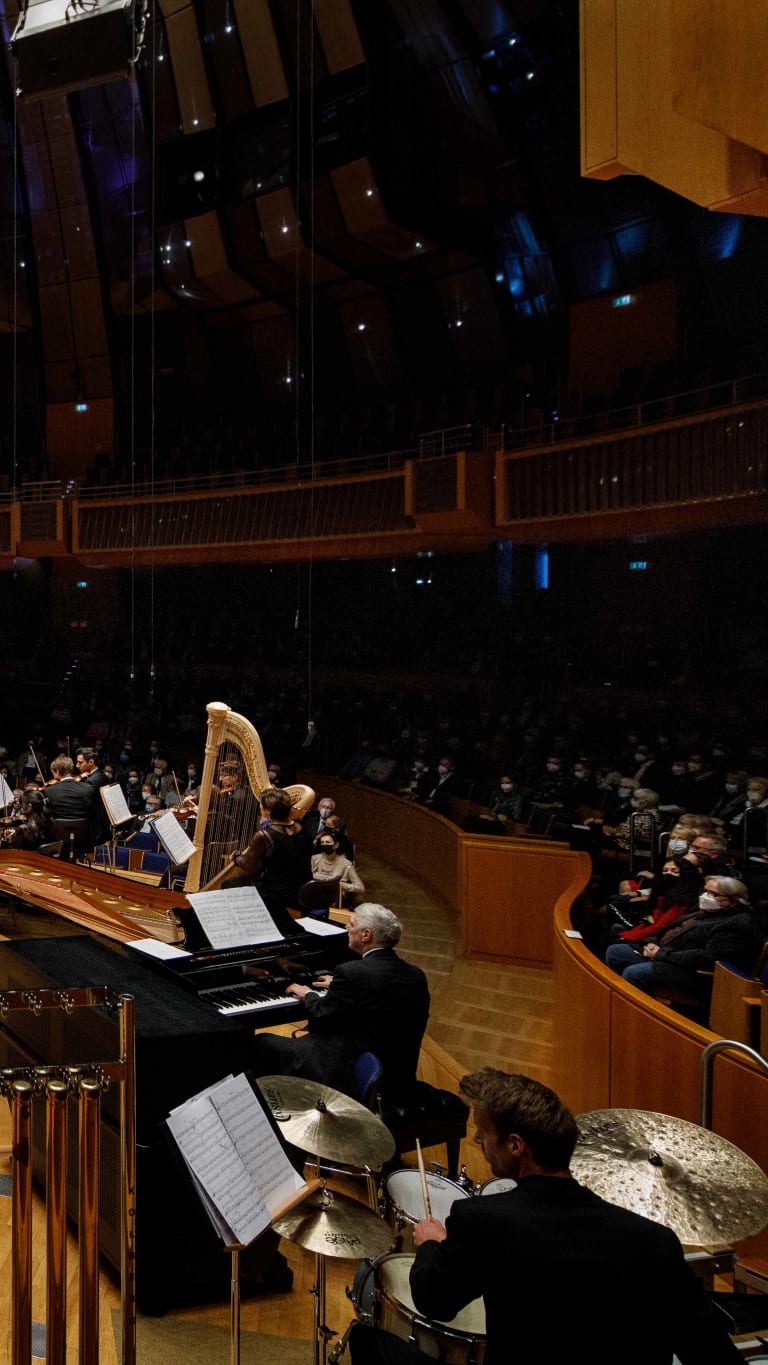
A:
234	1303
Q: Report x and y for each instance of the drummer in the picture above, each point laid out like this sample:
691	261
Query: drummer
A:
557	1266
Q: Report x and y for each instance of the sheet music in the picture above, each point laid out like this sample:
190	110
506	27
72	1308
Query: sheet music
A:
154	947
173	837
321	927
235	1157
116	805
234	917
6	794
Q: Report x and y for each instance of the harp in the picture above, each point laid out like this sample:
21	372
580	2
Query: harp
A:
227	821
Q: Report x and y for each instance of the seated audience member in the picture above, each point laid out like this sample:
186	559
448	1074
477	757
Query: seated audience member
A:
709	852
674	787
376	1003
328	865
549	1251
721	927
549	788
755	798
338	831
380	771
582	798
419	781
444	786
314	821
617	804
650	906
505	808
701	784
37	826
732	797
648	771
641	825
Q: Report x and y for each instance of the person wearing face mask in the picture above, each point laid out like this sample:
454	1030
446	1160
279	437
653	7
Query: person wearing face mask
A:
505	809
550	788
616	804
650	906
755	798
329	865
192	781
582	799
439	796
721	926
314	822
732	796
133	792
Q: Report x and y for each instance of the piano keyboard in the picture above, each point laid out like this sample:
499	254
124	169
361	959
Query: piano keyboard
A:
246	999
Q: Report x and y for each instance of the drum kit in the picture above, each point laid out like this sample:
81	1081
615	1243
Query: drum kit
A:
674	1172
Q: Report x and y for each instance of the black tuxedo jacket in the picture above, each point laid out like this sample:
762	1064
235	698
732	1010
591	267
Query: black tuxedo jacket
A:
561	1270
377	1003
70	800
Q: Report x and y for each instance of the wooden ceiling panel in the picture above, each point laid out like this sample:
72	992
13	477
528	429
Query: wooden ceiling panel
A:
338	34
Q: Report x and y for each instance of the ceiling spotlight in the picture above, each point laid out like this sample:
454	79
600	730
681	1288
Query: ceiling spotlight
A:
188	242
285	228
499	277
418	246
369	194
195	122
229	28
459	322
361	326
198	176
161	58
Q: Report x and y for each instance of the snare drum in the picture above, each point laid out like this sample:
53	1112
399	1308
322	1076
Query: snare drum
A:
404	1202
499	1184
382	1296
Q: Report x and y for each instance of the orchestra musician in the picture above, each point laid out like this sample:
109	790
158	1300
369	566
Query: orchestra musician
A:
67	798
549	1254
375	1003
278	858
36	826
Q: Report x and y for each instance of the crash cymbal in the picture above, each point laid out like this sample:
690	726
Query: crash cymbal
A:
335	1225
677	1173
326	1123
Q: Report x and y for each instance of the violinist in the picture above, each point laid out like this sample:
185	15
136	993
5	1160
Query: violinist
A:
37	825
91	776
68	799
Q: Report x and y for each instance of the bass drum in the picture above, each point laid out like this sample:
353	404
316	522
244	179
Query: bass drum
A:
404	1203
381	1295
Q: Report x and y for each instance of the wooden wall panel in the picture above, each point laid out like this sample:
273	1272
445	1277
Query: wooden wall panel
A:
508	890
581	1029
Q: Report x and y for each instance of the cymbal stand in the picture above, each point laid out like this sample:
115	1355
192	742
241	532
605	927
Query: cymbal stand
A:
323	1333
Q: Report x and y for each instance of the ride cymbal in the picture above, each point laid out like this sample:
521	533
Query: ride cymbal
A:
333	1224
672	1171
326	1123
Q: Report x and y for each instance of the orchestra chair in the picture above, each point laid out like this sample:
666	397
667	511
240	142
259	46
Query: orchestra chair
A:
426	1114
735	1008
148	841
75	836
318	897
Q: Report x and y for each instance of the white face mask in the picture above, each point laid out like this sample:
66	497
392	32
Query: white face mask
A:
506	786
731	787
624	792
677	845
708	902
754	798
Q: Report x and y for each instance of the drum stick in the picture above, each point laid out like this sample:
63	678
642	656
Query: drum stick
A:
423	1178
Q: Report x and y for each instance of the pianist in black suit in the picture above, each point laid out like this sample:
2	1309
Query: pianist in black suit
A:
378	1003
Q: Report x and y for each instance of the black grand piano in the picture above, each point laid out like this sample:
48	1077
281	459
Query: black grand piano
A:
194	1025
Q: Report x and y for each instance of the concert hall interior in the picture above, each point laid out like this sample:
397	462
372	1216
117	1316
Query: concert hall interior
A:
395	373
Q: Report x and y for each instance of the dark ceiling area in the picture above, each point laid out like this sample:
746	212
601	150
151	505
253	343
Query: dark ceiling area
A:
332	223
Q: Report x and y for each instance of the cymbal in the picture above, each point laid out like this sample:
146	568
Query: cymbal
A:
326	1123
333	1224
674	1172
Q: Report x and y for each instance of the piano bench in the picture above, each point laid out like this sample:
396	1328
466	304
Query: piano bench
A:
433	1116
